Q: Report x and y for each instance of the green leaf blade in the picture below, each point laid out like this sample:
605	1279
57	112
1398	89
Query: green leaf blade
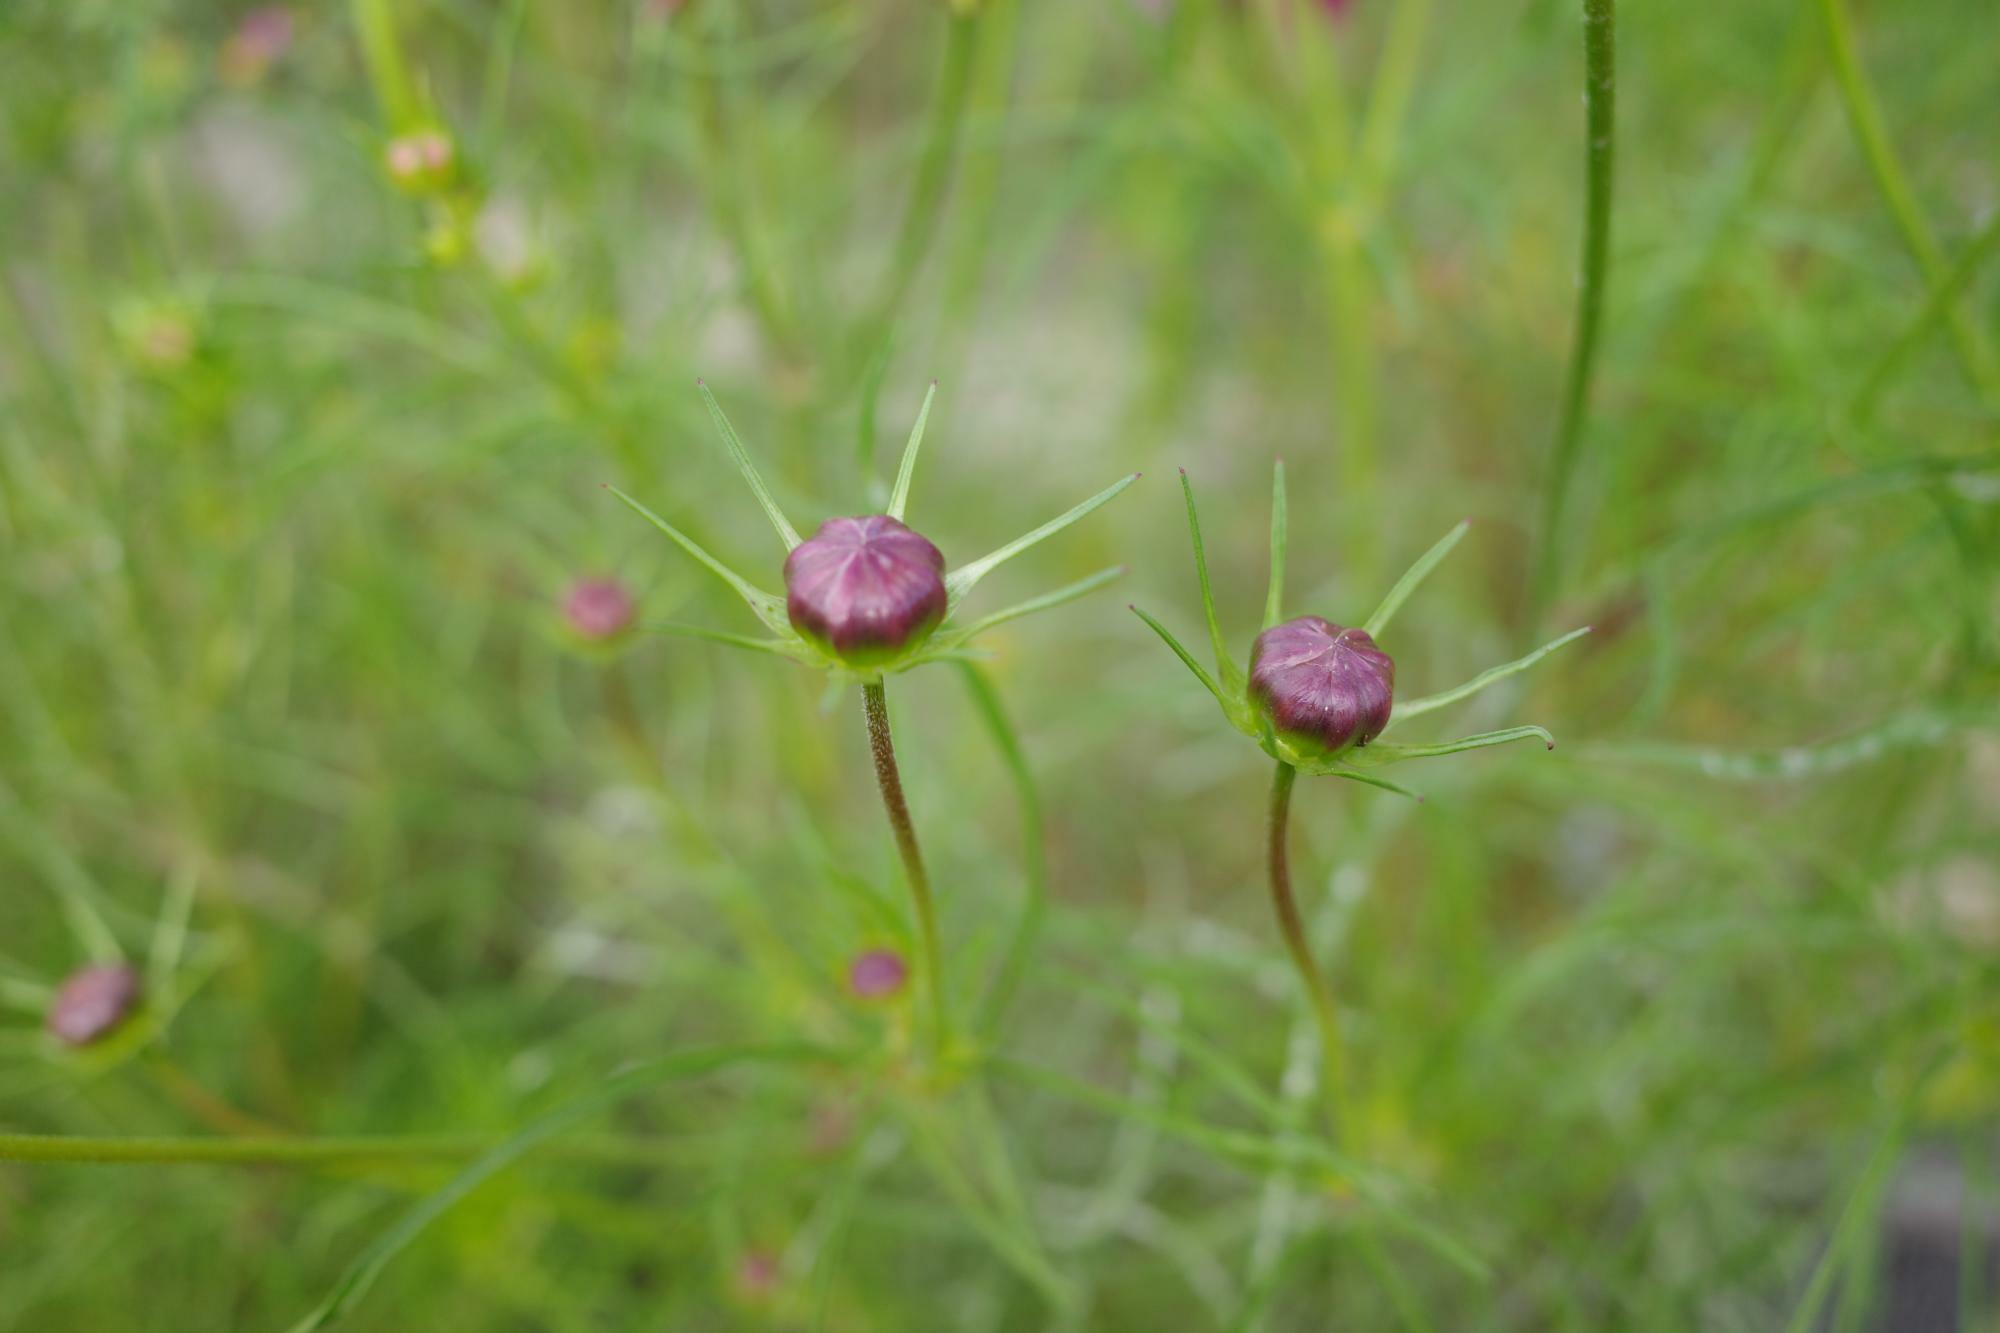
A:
966	577
1274	599
899	499
1415	575
1187	658
767	606
786	532
1431	702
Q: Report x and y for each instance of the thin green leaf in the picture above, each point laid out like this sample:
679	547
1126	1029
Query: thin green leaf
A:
963	579
1370	780
768	608
1418	707
900	497
1225	665
1418	572
786	532
779	647
1280	535
1383	752
1047	600
1187	658
368	1266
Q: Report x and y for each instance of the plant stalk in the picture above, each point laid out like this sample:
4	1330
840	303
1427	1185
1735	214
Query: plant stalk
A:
1293	927
1600	107
876	705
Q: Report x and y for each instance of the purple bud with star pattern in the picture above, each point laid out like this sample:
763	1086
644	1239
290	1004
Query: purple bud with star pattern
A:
92	1002
865	589
1323	687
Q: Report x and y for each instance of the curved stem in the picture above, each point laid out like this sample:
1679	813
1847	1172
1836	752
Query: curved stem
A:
1599	97
1293	927
876	704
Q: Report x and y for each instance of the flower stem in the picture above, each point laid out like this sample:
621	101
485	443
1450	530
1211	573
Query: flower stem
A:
876	705
1294	928
1600	106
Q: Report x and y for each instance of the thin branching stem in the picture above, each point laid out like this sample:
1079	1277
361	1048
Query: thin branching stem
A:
1600	105
876	704
1293	926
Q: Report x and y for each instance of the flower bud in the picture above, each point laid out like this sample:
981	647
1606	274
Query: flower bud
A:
92	1002
261	39
421	161
1322	686
865	589
598	609
876	974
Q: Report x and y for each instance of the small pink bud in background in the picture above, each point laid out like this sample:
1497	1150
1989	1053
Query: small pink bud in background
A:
599	609
1336	9
92	1002
261	39
757	1274
876	974
419	161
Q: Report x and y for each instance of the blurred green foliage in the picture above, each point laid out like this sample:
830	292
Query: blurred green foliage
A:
298	463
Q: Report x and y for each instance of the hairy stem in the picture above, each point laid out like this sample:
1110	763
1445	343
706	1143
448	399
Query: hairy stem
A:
1293	926
1600	104
890	779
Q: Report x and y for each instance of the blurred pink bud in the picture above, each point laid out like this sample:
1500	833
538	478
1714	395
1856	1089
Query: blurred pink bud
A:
261	39
420	160
876	974
599	609
92	1003
757	1274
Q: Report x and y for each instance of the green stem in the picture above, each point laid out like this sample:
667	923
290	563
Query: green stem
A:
1293	927
1873	137
921	214
889	778
248	1151
1600	104
382	52
725	165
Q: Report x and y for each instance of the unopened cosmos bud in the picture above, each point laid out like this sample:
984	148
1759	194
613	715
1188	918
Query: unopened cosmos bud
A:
865	589
1323	687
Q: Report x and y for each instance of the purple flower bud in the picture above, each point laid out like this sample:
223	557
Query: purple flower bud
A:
92	1003
598	609
1323	686
876	974
865	588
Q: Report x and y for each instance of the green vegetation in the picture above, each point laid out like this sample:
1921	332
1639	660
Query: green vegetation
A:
494	932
